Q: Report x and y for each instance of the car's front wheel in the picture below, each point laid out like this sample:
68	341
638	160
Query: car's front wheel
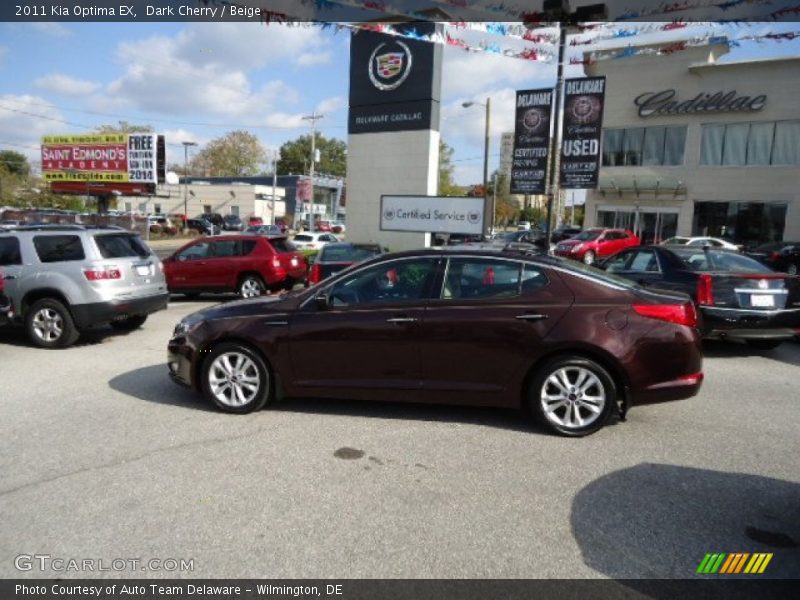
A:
792	269
49	324
572	395
589	258
236	379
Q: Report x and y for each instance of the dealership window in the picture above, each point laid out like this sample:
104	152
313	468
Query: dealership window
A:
235	210
206	209
747	223
648	146
745	144
143	207
157	209
128	207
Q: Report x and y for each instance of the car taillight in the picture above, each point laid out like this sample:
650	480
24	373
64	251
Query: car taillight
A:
315	275
102	273
774	256
276	262
705	291
681	314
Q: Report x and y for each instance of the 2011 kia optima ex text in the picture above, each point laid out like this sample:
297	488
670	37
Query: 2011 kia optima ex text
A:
568	343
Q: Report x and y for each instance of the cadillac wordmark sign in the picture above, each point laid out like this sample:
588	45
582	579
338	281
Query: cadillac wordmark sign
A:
665	103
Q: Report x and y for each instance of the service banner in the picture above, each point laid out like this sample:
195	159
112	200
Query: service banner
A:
583	122
434	214
101	158
531	141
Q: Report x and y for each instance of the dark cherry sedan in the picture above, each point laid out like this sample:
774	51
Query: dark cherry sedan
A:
738	297
569	343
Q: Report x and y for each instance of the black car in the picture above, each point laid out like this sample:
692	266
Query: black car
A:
532	237
214	218
232	223
337	256
781	256
738	297
202	226
564	233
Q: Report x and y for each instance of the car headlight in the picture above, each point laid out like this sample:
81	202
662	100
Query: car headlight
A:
187	325
577	248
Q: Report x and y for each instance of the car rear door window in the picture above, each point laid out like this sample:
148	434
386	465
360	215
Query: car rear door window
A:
644	261
248	246
282	245
121	246
58	248
224	249
472	278
9	252
618	262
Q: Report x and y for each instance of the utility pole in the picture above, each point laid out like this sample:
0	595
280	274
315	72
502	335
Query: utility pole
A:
185	182
274	184
313	117
554	140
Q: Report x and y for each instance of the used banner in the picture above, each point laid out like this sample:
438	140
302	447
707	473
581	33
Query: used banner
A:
531	141
583	121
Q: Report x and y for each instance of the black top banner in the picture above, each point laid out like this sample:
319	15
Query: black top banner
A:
531	141
580	141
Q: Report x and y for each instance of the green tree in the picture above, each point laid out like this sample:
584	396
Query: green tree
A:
447	186
14	163
237	153
296	156
124	127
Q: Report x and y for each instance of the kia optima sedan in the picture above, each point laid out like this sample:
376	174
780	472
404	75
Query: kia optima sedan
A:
568	343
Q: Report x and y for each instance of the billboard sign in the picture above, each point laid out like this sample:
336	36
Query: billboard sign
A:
583	121
103	158
531	141
434	214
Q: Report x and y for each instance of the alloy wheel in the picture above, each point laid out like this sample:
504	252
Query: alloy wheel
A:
48	325
250	288
573	397
234	379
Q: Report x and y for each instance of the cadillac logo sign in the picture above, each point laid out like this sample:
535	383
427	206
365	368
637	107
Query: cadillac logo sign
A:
390	65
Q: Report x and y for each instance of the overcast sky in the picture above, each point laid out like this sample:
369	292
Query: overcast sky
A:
196	81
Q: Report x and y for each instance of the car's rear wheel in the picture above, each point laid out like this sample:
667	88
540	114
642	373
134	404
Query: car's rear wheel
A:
589	258
572	395
49	324
251	286
129	323
792	269
764	344
236	379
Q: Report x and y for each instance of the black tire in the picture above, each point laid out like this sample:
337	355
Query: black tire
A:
214	370
575	402
251	286
130	323
763	344
589	258
792	269
191	295
49	324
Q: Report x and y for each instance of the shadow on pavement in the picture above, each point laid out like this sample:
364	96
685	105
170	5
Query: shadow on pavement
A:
153	384
16	336
787	352
658	521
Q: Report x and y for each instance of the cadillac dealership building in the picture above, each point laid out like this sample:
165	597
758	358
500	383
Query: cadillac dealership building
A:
693	146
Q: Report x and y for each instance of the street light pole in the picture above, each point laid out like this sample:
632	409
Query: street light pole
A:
186	181
554	141
313	117
274	184
488	208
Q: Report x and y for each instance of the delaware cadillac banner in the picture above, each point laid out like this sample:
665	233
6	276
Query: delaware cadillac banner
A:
102	158
531	141
580	142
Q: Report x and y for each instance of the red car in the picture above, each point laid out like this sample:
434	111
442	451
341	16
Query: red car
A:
246	264
595	244
324	226
255	221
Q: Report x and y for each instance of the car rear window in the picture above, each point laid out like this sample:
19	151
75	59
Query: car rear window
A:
709	260
348	253
282	245
9	251
301	237
581	269
58	248
121	246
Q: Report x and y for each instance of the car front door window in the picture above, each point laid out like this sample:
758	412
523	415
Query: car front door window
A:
387	283
196	252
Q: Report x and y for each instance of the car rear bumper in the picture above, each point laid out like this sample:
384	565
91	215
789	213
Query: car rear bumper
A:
98	313
676	389
750	324
6	310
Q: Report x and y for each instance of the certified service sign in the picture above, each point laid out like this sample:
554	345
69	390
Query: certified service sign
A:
434	214
390	65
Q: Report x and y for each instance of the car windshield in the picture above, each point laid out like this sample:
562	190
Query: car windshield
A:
121	246
711	260
348	253
282	245
588	235
301	237
582	269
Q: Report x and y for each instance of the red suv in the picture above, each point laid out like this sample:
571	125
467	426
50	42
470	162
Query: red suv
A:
595	244
246	264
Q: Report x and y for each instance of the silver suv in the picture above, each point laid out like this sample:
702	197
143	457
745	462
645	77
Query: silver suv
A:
60	280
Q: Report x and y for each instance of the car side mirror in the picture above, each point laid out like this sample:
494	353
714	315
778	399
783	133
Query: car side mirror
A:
322	301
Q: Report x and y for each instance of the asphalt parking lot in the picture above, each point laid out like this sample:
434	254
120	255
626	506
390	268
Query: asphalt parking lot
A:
103	457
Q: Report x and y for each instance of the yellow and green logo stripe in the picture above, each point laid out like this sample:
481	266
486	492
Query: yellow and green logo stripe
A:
732	563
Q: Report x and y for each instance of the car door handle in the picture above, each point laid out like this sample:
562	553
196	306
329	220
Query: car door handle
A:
8	277
400	320
276	323
531	317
